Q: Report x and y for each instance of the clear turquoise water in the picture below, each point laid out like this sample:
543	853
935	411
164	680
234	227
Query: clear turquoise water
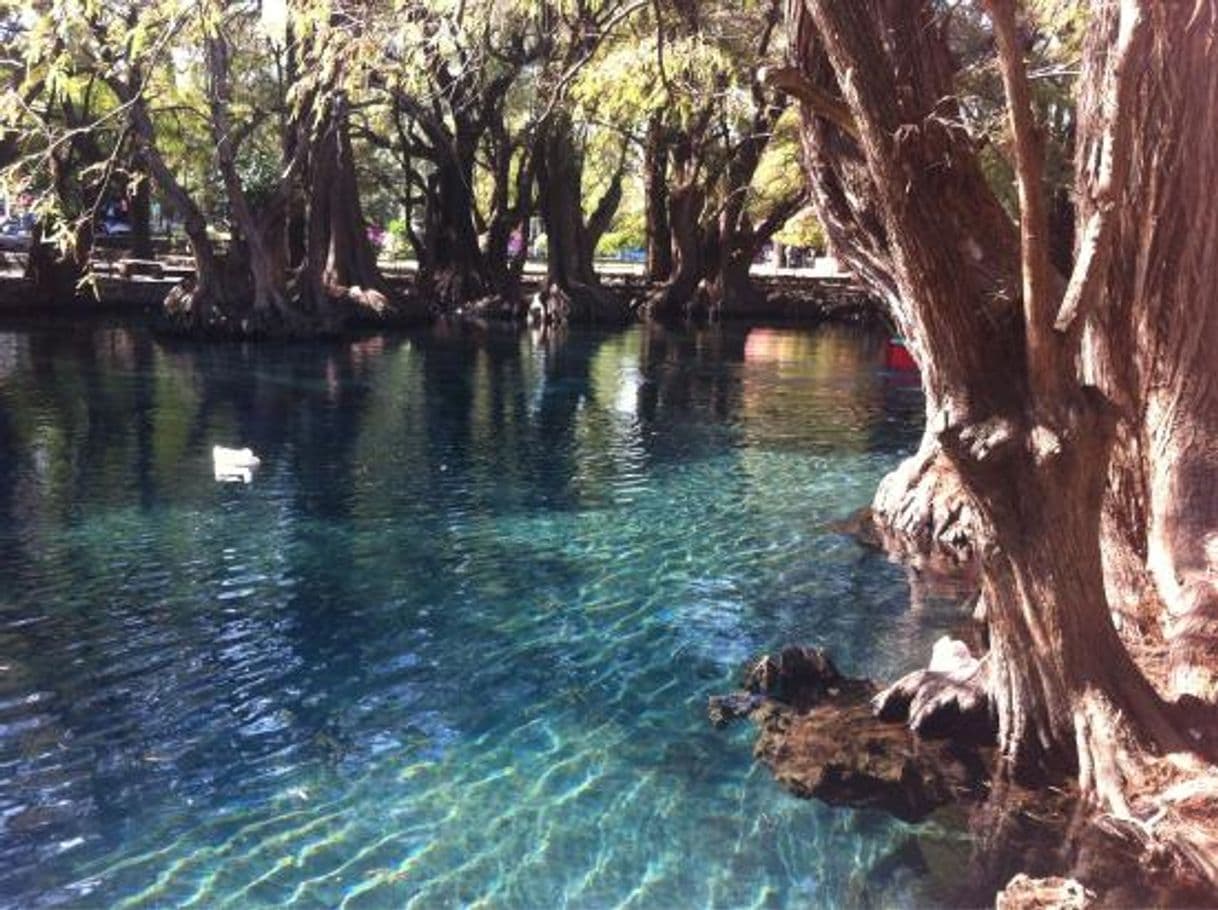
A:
452	646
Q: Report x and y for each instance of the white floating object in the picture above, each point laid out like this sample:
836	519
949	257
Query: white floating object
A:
234	465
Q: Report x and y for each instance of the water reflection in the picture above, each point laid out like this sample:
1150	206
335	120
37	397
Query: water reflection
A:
453	642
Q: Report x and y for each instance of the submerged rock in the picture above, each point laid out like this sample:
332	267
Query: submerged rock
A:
723	709
820	734
820	737
842	754
800	677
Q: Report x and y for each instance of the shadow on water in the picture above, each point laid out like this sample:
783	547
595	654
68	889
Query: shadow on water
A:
454	640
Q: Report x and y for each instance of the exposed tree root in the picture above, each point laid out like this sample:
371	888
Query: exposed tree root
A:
1026	893
923	513
370	306
577	303
233	313
452	288
1146	831
675	302
493	308
948	699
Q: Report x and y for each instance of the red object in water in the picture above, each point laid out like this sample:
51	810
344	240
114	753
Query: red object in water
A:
897	356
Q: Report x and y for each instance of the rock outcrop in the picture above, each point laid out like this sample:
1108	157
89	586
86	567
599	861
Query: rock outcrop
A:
819	734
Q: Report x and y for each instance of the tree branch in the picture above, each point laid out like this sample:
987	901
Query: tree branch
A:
782	212
1043	364
791	81
1095	247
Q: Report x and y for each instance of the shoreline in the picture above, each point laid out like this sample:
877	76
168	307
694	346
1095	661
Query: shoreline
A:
789	300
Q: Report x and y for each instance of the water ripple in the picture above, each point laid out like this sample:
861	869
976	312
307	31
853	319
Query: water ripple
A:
452	646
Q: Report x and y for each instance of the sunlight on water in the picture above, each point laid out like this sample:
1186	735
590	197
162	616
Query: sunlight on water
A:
452	646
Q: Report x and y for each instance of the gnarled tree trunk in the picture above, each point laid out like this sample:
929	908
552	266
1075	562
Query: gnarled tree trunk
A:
1152	338
676	298
655	190
341	278
573	292
452	270
201	303
899	188
922	509
731	290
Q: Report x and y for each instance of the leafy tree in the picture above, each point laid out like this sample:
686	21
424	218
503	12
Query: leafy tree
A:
688	73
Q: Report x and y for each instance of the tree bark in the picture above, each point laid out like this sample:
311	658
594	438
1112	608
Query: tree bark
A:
1152	333
453	271
248	243
677	298
573	292
601	216
198	303
1028	440
714	240
341	279
923	506
731	290
351	260
655	188
560	177
729	287
140	193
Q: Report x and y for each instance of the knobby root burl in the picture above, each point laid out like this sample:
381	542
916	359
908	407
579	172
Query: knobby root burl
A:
927	743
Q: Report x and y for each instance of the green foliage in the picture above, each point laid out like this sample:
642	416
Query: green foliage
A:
422	76
803	230
629	232
1054	29
397	242
780	173
628	83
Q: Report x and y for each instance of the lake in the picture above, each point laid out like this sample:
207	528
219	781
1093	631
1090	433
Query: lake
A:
452	645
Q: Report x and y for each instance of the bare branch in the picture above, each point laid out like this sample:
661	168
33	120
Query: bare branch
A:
791	81
1043	364
1095	248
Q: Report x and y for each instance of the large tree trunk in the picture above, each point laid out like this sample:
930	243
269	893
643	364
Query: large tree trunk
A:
921	509
560	177
713	238
255	248
678	297
573	292
903	197
731	290
504	216
199	303
655	190
1151	343
215	299
453	270
1067	695
601	216
341	279
140	194
54	275
351	261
